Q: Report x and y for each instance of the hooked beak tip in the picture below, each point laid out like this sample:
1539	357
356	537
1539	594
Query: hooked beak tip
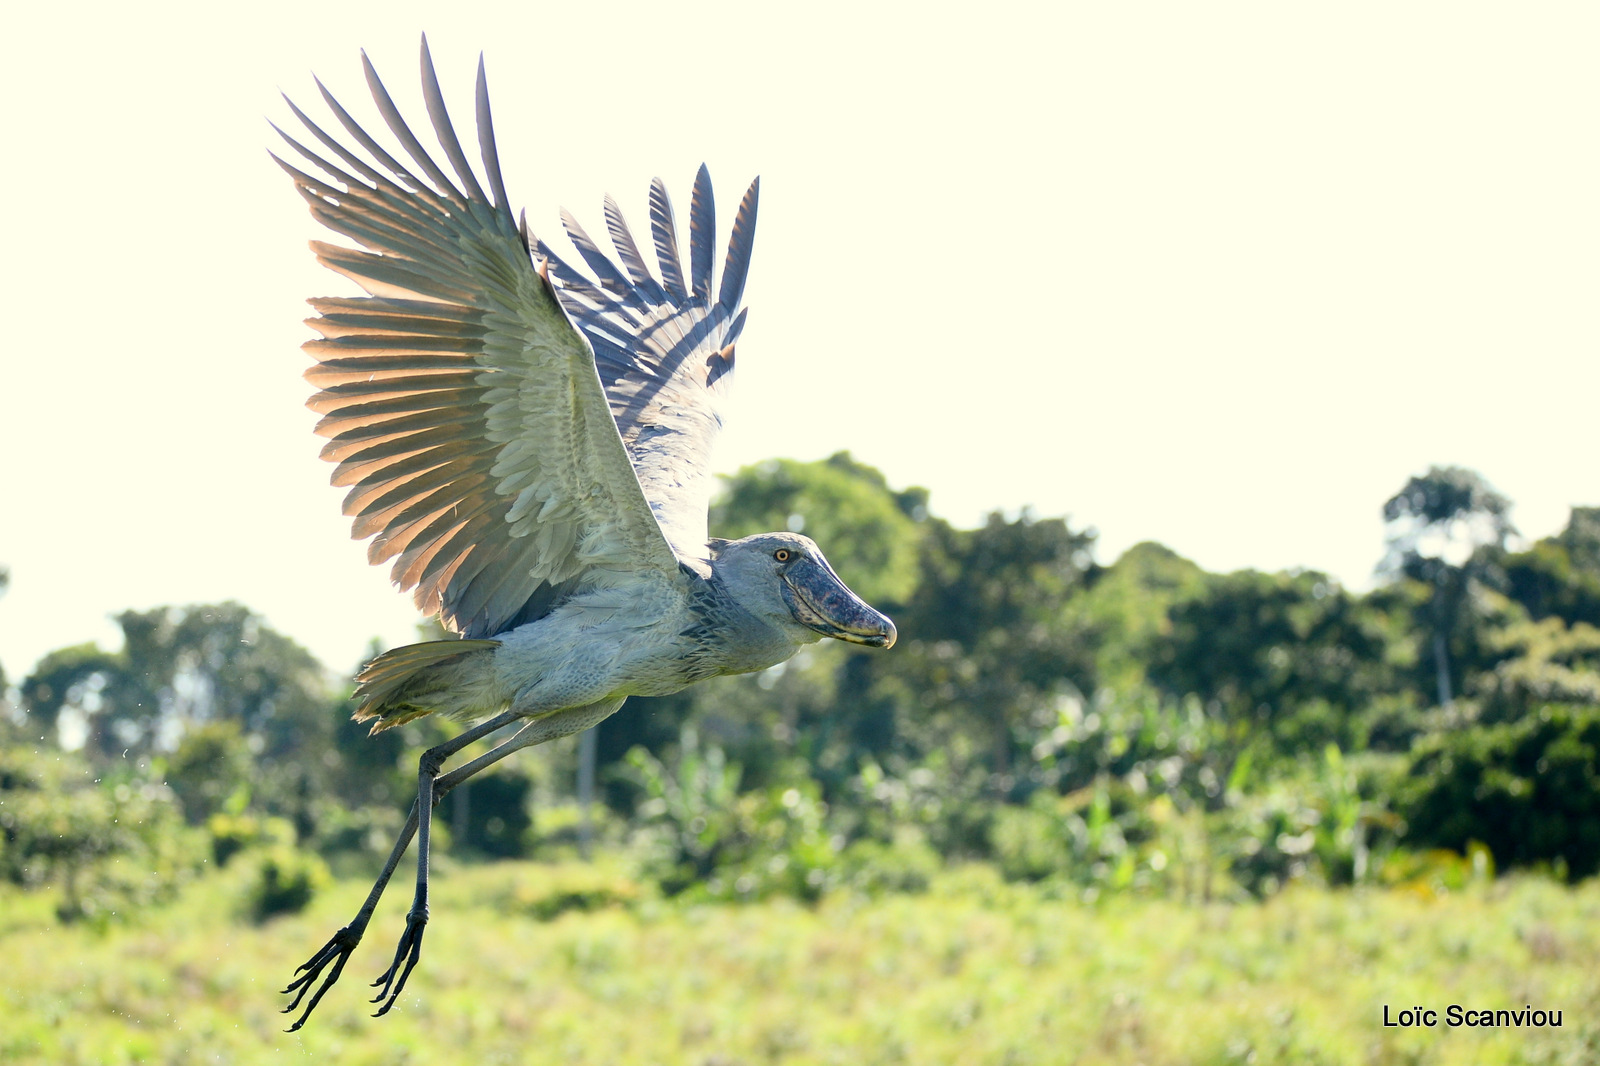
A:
829	608
883	638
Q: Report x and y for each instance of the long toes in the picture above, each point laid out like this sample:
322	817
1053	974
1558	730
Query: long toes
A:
317	998
308	969
307	973
336	951
408	951
386	978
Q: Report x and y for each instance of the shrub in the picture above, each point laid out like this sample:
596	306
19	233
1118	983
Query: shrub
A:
554	890
109	845
1528	789
285	881
905	864
700	832
356	837
1433	873
489	814
1031	843
232	833
211	770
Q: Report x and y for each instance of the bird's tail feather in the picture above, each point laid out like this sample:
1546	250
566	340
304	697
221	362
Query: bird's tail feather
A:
454	677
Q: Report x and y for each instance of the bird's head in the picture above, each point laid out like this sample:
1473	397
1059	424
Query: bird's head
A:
785	579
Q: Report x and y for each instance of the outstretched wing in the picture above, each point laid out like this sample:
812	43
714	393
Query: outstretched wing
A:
462	406
664	349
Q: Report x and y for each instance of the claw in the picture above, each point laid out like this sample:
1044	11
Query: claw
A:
338	947
409	949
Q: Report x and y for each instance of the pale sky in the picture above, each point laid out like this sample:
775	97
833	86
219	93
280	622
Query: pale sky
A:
1218	275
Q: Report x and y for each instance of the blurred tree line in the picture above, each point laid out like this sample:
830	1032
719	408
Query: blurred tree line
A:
1138	726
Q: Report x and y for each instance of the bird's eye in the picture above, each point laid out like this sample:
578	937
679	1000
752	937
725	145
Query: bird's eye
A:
782	555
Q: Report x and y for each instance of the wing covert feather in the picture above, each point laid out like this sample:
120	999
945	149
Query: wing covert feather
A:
463	406
664	349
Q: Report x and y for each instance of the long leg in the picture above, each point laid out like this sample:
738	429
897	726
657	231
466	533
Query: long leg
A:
560	724
337	950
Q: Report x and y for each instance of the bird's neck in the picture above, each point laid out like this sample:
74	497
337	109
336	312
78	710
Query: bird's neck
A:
740	640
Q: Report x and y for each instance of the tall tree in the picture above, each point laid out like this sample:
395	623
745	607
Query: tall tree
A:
990	640
182	668
5	582
1559	576
1290	657
1581	538
1446	529
1128	605
71	683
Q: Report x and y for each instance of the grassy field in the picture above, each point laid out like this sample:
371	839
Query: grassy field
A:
973	971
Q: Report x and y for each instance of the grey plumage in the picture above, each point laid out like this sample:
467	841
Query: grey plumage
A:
528	446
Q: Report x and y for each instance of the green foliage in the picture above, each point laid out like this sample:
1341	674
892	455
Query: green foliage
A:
989	645
74	678
1444	496
215	671
1539	662
489	814
211	770
5	582
376	770
1156	743
1529	790
109	846
355	838
1438	872
220	662
782	846
1291	657
701	832
578	887
1560	576
557	833
1447	530
1077	835
1002	581
1130	603
1317	820
1028	678
1581	539
691	807
285	882
905	863
183	666
232	833
1118	787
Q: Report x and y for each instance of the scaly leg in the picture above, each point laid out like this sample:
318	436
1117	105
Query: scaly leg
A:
337	950
559	724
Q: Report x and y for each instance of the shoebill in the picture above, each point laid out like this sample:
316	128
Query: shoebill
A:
528	445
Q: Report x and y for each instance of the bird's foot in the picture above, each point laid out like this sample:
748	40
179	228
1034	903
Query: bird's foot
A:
336	951
408	951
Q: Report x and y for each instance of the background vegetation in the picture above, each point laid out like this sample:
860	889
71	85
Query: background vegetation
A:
1253	806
